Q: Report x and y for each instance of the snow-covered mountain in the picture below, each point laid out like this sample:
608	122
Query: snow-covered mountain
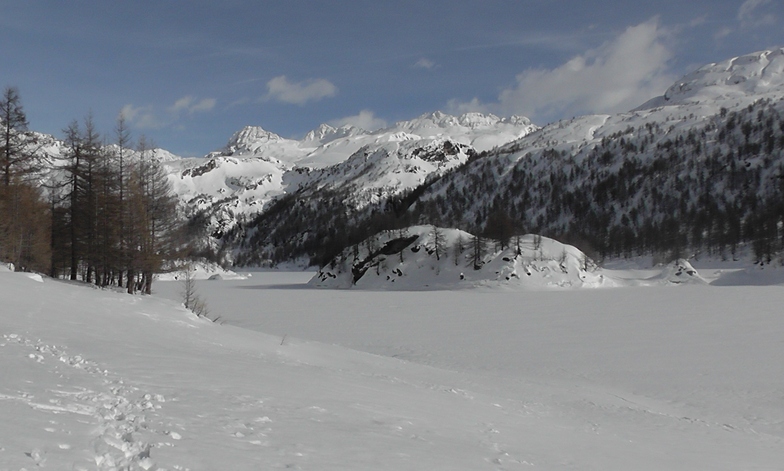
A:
254	141
256	167
696	171
684	168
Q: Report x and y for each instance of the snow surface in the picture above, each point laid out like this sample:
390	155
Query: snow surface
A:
686	377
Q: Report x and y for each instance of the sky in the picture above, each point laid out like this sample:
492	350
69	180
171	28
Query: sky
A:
187	75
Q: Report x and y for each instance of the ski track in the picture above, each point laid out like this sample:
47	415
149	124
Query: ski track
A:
119	411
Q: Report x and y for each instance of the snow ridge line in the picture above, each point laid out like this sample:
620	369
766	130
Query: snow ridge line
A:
121	419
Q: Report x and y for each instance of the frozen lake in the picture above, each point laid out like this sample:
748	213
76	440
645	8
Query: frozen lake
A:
687	354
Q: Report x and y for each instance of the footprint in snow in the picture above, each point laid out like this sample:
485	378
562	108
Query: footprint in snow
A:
38	456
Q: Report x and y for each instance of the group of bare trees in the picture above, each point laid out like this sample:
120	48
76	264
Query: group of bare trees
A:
104	213
113	213
23	222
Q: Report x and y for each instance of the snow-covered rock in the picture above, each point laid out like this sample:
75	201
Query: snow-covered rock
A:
680	272
428	257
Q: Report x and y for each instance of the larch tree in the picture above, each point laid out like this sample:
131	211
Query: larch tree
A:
159	230
439	242
122	154
24	234
14	148
71	221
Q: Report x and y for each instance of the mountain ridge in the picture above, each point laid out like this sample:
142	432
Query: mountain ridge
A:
655	179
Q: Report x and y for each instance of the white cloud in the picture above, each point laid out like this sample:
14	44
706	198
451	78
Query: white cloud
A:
424	63
142	117
366	120
190	105
617	76
148	117
749	15
723	33
280	89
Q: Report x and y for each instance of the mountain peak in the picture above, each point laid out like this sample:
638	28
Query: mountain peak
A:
252	134
251	140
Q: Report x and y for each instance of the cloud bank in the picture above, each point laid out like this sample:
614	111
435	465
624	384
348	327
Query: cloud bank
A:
750	16
617	76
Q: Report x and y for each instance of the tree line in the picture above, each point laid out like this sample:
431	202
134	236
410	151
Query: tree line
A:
100	212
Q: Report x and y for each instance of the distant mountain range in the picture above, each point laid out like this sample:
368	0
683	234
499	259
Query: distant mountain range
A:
256	168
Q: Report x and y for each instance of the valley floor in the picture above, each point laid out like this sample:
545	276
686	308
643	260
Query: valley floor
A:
644	378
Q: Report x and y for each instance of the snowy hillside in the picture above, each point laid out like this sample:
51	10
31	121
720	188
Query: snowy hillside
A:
696	176
651	378
753	76
689	103
429	257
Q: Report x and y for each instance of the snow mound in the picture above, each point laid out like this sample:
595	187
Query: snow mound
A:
35	277
680	272
428	257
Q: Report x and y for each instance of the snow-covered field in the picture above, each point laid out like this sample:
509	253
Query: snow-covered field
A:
644	378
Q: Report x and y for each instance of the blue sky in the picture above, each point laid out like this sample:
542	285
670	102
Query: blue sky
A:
189	74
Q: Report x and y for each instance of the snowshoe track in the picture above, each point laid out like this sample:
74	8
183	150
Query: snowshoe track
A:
120	410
